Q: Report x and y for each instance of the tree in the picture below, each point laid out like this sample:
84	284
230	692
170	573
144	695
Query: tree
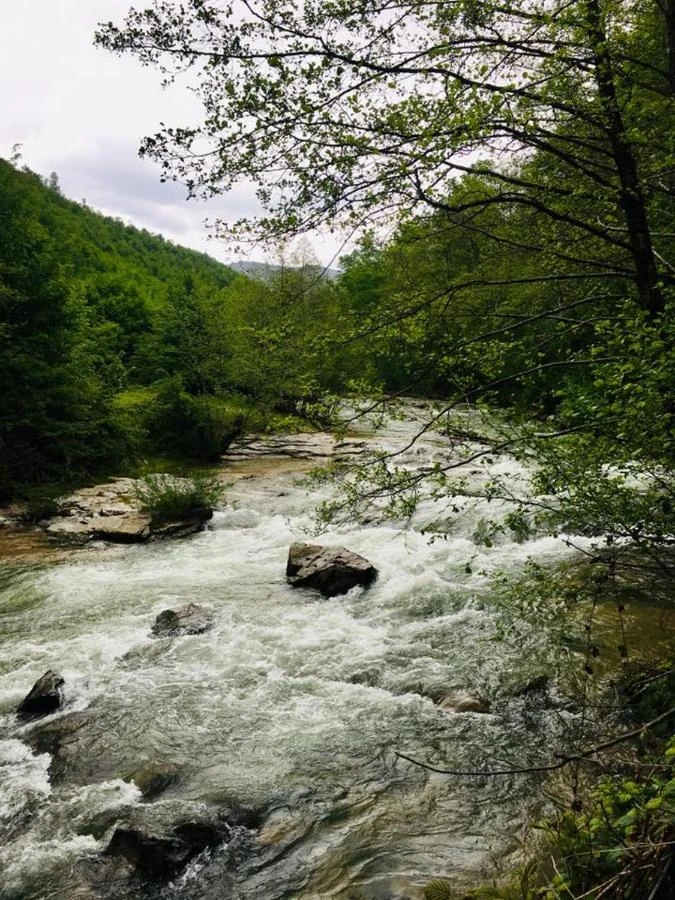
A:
54	407
346	111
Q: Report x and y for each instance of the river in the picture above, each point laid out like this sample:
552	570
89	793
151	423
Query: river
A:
292	706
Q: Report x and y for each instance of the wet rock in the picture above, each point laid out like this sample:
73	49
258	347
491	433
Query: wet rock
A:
62	739
160	856
45	697
331	570
194	523
154	780
538	685
189	619
463	702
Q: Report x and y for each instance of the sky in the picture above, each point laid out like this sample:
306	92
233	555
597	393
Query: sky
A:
81	112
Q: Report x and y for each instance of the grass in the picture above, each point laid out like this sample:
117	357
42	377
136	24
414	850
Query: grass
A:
169	499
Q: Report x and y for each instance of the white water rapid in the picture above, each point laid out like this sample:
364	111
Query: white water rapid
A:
292	706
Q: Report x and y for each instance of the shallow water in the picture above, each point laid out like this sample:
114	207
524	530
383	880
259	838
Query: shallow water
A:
292	705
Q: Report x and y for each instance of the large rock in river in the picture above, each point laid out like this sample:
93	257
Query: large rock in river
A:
160	856
189	619
45	697
331	570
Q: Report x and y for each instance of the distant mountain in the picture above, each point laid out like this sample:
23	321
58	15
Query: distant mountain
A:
264	271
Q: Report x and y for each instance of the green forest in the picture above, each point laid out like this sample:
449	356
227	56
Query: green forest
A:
508	172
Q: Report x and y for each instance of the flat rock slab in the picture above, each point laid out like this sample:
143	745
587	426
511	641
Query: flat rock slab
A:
131	528
190	619
331	570
45	697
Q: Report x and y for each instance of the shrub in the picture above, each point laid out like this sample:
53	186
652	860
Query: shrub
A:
195	427
40	504
169	499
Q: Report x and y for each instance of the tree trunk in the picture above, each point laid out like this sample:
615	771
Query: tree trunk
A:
631	198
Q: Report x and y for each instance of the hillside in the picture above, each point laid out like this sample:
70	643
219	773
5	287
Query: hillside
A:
118	346
84	300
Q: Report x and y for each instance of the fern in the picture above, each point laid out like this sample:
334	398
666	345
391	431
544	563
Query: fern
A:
438	889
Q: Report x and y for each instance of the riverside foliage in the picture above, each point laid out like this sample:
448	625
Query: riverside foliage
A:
510	168
118	346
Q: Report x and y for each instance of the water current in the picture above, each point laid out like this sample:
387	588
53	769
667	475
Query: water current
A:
292	706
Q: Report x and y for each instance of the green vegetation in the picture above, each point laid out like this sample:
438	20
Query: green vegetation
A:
117	346
169	499
510	169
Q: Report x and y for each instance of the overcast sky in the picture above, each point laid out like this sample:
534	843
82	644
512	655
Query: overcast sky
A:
81	112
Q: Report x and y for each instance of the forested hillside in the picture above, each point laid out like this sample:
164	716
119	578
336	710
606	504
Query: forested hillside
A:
116	344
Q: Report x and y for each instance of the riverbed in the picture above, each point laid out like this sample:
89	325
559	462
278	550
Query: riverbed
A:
293	707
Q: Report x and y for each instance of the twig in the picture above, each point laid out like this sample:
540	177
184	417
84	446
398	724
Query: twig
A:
549	767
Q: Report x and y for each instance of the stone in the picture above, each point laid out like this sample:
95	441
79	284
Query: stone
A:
153	780
331	570
69	529
160	856
191	525
45	697
189	619
132	528
62	739
538	685
464	702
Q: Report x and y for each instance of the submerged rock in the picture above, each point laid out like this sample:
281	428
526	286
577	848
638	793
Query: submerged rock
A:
190	525
65	741
45	697
331	570
463	702
189	619
153	780
159	856
538	685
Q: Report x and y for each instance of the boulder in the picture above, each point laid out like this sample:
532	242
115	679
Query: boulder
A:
463	702
189	619
331	570
153	780
45	697
65	739
181	528
158	855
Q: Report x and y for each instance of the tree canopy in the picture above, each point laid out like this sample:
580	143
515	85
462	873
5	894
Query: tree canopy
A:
346	112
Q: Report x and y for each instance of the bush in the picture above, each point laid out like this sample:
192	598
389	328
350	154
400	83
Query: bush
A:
41	503
169	499
194	427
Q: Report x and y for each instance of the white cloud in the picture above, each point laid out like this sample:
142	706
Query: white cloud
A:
82	112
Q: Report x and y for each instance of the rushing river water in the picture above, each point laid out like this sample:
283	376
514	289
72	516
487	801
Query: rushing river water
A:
292	706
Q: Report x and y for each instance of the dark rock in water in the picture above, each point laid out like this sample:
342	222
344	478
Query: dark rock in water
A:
45	697
190	619
61	738
160	856
538	685
190	525
331	570
464	702
154	780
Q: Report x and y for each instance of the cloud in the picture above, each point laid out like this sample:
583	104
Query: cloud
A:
82	112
